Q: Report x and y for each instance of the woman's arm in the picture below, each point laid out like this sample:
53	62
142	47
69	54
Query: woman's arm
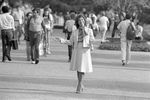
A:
68	42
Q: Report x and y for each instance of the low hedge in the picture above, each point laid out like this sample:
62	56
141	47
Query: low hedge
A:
143	47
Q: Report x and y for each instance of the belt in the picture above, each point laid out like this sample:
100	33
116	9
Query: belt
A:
34	31
6	29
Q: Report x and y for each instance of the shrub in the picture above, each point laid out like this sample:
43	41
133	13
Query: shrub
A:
146	32
144	47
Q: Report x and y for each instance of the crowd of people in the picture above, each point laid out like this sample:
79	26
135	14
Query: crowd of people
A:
80	31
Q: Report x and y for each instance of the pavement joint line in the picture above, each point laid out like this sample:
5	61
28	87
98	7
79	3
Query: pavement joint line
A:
69	90
35	76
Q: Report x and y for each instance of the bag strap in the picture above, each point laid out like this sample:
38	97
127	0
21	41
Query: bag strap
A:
132	26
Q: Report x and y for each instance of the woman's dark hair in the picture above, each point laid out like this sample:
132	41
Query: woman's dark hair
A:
5	9
27	15
38	10
77	18
47	15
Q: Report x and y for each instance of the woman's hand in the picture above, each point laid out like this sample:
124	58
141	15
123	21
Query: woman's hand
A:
58	39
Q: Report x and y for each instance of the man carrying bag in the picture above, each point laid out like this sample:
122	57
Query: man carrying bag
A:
7	28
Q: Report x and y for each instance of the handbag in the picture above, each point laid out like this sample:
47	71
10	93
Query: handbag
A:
14	42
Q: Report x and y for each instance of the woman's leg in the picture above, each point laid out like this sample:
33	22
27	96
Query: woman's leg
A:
80	76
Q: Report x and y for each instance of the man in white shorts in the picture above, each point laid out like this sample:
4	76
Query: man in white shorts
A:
103	25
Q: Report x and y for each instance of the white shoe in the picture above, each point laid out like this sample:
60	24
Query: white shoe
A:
49	52
33	62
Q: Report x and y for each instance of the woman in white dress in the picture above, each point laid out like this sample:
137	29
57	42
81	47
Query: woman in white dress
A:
81	38
47	21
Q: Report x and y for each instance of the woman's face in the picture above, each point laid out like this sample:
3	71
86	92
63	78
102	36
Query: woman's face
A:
81	22
46	12
35	13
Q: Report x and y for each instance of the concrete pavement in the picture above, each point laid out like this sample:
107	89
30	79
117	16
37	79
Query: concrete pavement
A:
52	80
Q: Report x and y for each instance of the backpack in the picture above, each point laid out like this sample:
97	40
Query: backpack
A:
131	32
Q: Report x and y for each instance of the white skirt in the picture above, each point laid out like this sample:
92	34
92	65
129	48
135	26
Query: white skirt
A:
81	59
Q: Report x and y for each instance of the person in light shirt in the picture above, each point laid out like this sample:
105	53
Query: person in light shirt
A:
139	31
125	44
19	18
35	25
103	25
69	27
88	19
48	26
7	28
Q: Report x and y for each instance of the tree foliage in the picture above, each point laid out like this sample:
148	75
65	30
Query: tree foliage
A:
141	7
123	5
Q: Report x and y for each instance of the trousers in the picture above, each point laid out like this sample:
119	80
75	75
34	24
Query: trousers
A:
126	50
7	35
34	38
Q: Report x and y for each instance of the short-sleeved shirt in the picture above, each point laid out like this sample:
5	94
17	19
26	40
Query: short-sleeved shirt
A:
123	25
88	21
18	16
103	22
6	21
69	25
36	24
139	30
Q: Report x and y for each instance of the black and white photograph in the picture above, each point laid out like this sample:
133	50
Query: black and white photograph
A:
74	49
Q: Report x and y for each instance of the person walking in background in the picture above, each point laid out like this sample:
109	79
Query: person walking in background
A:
35	25
19	18
109	15
82	38
48	25
125	44
139	31
116	22
7	28
88	19
61	19
103	25
93	15
28	47
51	18
69	28
94	26
66	17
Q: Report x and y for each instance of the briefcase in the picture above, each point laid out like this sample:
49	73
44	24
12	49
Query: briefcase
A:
14	44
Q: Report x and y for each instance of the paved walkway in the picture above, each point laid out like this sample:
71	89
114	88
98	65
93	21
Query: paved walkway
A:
52	80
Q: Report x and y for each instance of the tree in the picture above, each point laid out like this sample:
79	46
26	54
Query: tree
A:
123	5
132	6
